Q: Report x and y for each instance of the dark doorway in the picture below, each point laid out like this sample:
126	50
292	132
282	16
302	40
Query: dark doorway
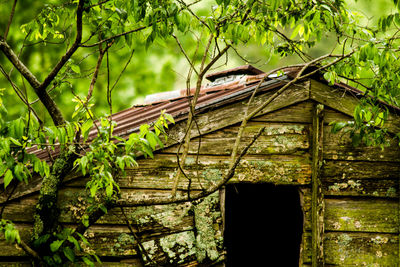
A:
263	225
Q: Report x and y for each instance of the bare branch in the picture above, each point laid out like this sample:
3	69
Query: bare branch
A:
96	71
193	102
10	20
21	96
184	53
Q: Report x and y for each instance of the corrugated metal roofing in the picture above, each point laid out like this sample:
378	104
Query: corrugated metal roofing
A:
129	120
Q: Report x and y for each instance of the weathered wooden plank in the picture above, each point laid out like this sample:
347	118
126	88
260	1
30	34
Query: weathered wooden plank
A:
361	215
339	147
363	188
361	249
231	114
345	102
355	249
306	249
277	138
117	263
159	172
331	115
117	241
317	198
300	113
335	169
361	178
154	220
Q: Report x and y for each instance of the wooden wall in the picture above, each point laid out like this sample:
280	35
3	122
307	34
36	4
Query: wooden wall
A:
360	186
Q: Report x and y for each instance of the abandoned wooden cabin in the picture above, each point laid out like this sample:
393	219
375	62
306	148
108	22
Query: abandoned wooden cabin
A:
300	196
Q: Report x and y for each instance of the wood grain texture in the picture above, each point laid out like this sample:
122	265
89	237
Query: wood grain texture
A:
278	138
361	215
355	249
228	115
339	147
317	198
344	170
361	249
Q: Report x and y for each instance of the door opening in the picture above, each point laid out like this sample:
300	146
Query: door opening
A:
263	225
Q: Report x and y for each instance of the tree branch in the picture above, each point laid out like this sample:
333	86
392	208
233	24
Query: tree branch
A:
96	71
71	50
10	20
40	88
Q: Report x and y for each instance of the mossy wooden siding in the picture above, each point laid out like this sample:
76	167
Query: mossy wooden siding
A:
360	186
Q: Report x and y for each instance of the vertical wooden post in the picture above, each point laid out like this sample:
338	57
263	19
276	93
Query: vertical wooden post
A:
317	199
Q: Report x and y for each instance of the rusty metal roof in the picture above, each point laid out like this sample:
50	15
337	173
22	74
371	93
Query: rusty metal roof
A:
177	104
241	70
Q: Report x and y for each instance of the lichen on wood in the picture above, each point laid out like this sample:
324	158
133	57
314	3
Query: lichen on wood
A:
208	220
172	249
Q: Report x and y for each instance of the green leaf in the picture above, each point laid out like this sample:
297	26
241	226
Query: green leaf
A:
338	126
74	241
86	126
109	190
15	141
169	117
356	139
55	245
84	240
19	172
85	220
8	178
57	258
103	208
41	240
69	253
152	138
83	163
87	261
76	68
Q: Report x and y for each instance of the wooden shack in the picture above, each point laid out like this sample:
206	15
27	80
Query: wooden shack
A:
300	196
